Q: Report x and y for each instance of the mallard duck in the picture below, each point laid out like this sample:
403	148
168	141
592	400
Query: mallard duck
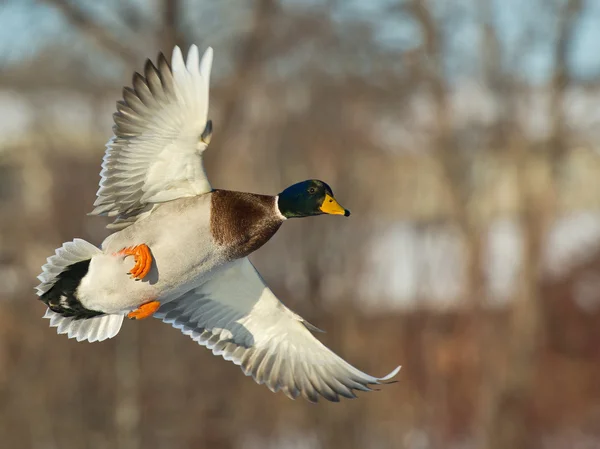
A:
180	248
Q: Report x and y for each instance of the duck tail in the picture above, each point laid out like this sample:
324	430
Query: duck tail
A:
60	277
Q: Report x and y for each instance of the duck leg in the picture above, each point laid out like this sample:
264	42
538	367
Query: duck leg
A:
142	257
144	311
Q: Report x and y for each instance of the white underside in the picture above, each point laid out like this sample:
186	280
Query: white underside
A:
183	251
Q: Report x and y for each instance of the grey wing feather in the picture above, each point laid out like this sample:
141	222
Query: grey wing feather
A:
239	318
155	154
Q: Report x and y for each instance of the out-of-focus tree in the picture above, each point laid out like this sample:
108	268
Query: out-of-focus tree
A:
372	99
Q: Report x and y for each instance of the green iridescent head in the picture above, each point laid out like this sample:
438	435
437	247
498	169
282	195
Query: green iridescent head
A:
307	198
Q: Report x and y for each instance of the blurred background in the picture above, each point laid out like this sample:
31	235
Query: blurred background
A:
462	134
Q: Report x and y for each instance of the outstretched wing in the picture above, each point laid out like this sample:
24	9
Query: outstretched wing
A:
238	317
160	132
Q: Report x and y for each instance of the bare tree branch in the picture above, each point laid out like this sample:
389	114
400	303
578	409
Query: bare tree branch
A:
96	32
561	77
248	58
445	149
508	397
171	35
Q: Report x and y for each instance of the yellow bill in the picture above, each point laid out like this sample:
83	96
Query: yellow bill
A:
331	206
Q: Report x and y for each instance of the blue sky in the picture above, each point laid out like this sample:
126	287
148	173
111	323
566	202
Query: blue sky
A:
26	26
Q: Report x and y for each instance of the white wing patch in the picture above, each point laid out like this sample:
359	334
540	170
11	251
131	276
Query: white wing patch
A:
160	134
239	318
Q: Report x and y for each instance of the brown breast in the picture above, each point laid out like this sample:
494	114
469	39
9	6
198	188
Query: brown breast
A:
243	222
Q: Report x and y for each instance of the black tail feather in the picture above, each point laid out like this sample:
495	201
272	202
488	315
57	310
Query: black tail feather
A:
62	297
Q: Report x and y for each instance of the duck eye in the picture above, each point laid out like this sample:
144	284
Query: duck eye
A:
312	190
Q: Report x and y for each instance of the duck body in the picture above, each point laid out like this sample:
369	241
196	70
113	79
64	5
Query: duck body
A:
190	238
179	251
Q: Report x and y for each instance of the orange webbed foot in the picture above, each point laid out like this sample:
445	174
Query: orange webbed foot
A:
142	257
144	311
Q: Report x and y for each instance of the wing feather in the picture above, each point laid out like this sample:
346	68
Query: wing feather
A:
155	154
239	318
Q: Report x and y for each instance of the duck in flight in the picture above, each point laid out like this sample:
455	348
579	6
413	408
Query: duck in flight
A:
180	248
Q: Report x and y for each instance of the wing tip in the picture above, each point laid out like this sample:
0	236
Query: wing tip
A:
208	53
194	50
206	63
312	327
177	58
193	59
387	378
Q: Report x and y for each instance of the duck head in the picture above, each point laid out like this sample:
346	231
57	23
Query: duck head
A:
307	198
